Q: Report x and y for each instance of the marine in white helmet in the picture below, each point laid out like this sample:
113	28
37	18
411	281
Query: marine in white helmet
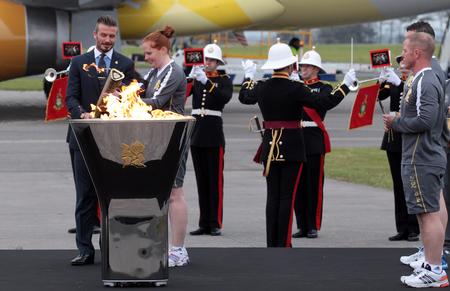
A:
309	197
212	89
282	151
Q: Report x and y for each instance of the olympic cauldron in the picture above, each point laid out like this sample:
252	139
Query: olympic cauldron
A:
133	164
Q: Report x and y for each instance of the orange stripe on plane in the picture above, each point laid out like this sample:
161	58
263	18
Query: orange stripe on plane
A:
12	40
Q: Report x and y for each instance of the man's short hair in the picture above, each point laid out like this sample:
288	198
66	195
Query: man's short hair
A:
421	26
422	41
105	20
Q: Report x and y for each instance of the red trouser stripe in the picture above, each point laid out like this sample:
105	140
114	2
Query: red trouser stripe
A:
99	213
289	233
320	194
220	188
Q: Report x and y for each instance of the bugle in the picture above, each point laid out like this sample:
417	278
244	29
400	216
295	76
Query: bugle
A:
51	74
356	84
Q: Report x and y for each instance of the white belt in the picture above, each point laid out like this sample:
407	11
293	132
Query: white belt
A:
309	124
206	112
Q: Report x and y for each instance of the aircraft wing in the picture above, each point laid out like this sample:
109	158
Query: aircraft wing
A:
72	4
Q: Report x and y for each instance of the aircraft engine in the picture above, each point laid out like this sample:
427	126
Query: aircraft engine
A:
31	39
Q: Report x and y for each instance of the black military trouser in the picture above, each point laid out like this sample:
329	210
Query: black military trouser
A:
208	166
309	198
404	222
282	183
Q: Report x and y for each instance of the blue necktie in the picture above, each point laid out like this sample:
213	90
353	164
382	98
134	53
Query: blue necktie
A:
101	62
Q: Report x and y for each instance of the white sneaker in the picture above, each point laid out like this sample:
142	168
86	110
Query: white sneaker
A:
417	264
414	273
414	257
425	278
178	257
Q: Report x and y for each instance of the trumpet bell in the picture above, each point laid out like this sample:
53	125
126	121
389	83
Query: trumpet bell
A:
50	75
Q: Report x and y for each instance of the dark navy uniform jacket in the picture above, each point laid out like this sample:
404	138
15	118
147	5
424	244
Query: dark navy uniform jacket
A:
218	90
313	135
282	99
392	141
84	88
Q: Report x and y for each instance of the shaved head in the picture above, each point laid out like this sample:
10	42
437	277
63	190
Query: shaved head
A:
421	41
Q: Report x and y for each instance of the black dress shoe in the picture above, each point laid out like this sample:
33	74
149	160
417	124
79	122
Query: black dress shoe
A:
399	236
72	230
312	233
215	231
82	260
200	231
413	237
299	234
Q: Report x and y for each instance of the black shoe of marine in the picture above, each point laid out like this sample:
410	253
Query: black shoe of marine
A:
200	231
215	231
299	234
399	236
413	237
312	234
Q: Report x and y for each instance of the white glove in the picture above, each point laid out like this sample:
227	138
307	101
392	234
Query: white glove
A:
249	68
350	78
294	76
192	73
199	74
388	75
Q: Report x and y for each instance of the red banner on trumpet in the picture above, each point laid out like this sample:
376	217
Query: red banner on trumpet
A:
364	107
56	103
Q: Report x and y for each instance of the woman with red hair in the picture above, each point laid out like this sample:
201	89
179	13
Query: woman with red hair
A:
166	89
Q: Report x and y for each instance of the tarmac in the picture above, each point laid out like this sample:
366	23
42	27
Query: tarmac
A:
38	196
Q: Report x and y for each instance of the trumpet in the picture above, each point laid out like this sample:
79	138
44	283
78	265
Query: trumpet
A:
51	74
356	84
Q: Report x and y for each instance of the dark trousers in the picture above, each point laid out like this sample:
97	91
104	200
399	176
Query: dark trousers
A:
404	222
86	204
309	198
208	166
282	183
447	200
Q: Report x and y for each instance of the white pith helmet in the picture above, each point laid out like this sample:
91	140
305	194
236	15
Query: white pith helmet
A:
280	56
213	51
312	58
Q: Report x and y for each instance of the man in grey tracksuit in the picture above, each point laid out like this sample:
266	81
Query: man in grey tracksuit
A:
421	122
422	26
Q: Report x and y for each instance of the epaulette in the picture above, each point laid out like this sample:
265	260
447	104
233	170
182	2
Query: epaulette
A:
338	88
225	76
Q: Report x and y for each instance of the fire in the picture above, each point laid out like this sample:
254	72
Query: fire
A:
87	67
127	104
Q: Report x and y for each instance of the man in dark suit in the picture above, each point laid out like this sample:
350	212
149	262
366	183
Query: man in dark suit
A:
84	89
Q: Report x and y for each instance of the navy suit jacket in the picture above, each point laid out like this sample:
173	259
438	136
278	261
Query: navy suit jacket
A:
83	89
